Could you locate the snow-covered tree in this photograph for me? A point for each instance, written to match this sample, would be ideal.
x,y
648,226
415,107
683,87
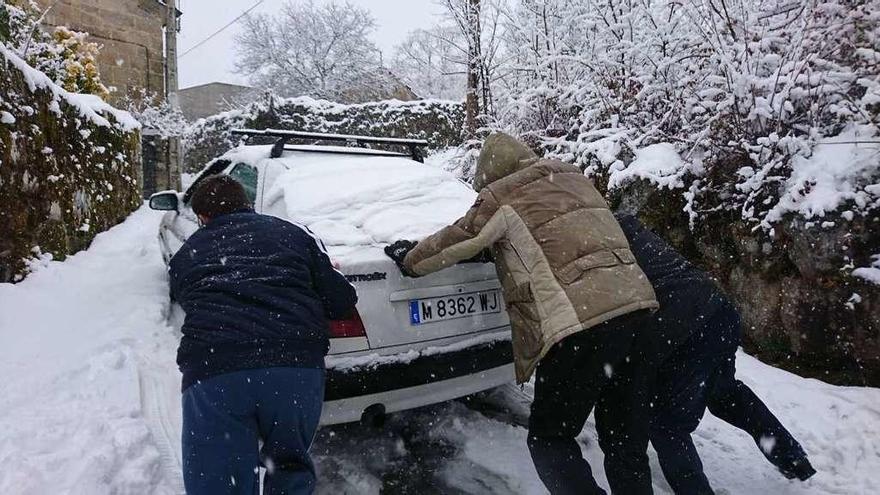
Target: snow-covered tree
x,y
478,40
745,88
314,49
432,63
784,79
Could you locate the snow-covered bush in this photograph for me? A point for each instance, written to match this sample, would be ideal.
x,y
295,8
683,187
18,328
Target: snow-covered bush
x,y
156,113
71,62
747,94
437,121
63,54
754,111
69,166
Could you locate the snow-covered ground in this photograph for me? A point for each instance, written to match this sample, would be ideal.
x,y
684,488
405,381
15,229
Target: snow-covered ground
x,y
89,404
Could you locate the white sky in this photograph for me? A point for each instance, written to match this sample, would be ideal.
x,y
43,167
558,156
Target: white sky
x,y
214,60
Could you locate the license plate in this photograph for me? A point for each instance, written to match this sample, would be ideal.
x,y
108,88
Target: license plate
x,y
433,309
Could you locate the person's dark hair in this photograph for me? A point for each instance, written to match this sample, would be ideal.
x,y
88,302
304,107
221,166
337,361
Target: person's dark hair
x,y
218,195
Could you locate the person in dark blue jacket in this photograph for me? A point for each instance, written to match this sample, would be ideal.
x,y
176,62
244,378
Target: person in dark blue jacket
x,y
258,293
684,365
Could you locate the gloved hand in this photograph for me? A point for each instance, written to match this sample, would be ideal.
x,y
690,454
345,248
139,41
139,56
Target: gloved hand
x,y
398,251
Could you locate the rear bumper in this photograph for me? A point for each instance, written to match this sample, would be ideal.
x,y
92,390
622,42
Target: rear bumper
x,y
422,381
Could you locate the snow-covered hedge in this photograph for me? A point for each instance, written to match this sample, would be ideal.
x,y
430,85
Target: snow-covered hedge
x,y
69,166
438,121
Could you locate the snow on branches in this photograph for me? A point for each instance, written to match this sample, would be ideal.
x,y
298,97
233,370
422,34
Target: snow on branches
x,y
319,50
64,55
433,62
90,108
156,113
773,106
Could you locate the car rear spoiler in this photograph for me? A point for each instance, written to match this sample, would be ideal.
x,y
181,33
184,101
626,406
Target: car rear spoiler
x,y
356,142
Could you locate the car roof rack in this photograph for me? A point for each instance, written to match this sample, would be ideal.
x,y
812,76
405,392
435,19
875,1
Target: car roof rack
x,y
346,151
413,145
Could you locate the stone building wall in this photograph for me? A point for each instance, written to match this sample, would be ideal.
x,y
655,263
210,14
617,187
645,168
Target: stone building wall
x,y
131,61
131,35
205,100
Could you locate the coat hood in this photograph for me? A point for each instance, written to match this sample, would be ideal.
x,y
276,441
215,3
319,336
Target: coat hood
x,y
502,155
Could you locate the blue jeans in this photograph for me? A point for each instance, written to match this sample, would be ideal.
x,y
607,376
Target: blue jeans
x,y
227,416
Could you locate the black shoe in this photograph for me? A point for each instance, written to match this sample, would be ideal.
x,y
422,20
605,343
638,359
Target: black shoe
x,y
800,469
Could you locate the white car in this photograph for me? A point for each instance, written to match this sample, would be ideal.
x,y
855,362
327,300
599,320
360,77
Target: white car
x,y
414,341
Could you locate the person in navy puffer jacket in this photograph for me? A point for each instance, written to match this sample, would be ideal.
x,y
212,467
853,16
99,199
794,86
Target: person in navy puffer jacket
x,y
683,366
258,293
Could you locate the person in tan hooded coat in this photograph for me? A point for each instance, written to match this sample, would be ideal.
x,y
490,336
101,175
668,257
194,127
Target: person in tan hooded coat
x,y
572,287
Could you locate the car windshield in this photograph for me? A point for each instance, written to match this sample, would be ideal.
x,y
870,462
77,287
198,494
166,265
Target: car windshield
x,y
218,166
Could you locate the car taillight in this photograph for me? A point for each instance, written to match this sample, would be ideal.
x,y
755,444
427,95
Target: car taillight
x,y
352,327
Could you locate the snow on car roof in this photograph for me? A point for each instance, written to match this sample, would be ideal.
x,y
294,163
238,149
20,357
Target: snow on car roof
x,y
354,201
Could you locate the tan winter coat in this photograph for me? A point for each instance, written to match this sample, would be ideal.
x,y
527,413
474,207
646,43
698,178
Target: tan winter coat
x,y
562,259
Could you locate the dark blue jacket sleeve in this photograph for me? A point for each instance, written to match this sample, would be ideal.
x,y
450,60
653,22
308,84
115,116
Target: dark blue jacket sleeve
x,y
337,294
173,290
177,268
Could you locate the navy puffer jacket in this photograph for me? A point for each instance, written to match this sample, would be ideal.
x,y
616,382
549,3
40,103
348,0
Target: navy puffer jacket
x,y
258,293
688,296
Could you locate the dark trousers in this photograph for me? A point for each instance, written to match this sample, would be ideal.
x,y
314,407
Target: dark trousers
x,y
735,403
698,375
568,384
226,416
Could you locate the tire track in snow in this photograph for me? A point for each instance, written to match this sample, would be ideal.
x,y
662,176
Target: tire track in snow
x,y
160,402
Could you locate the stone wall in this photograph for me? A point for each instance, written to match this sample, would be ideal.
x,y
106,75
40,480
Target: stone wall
x,y
801,309
131,38
69,167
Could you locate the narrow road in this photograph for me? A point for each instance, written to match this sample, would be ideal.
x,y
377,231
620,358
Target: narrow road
x,y
91,404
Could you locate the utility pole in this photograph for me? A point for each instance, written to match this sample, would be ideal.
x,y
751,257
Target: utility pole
x,y
171,89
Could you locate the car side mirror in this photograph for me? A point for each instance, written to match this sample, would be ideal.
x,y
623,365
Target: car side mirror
x,y
164,201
